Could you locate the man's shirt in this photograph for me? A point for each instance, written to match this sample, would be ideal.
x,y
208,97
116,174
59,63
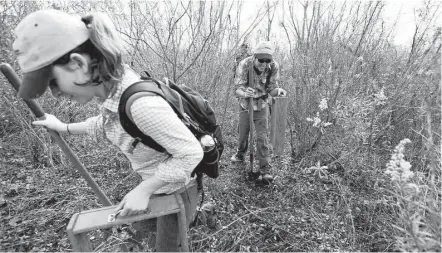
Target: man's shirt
x,y
238,58
263,83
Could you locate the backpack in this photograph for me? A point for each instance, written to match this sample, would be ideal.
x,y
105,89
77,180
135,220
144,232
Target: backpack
x,y
193,110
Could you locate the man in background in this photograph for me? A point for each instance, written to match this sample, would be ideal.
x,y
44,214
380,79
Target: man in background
x,y
264,74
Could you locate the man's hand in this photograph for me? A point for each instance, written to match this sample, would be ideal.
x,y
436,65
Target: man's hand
x,y
282,92
249,92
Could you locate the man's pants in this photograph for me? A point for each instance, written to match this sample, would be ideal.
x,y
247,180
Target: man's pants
x,y
260,120
167,232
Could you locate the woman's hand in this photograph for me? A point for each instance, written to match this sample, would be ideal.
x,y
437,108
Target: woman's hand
x,y
135,202
51,122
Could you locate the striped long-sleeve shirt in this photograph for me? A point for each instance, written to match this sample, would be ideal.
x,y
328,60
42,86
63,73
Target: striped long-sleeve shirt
x,y
154,116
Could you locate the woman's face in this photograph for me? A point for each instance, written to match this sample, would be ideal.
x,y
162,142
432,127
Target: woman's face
x,y
66,80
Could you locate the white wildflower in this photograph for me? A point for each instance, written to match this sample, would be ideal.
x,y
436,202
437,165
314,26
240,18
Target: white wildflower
x,y
309,119
316,122
326,124
406,175
405,165
323,104
380,97
317,170
330,70
398,168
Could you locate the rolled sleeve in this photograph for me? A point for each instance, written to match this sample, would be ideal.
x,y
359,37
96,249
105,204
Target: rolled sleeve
x,y
155,118
94,127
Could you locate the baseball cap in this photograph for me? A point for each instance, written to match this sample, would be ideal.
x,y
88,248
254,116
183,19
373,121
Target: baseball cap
x,y
43,37
264,50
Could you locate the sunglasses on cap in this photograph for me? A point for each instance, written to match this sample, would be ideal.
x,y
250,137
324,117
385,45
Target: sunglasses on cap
x,y
264,60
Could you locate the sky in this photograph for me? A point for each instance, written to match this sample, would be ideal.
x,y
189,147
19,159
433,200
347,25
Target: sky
x,y
393,9
404,33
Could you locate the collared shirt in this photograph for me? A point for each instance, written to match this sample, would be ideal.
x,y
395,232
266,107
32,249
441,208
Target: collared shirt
x,y
154,116
263,83
241,56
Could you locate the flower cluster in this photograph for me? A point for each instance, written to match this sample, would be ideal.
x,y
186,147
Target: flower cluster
x,y
317,122
380,97
398,168
323,104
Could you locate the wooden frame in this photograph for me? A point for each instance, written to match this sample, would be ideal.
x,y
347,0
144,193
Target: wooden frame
x,y
86,221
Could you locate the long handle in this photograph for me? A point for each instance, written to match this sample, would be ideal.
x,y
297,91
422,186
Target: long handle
x,y
251,142
251,146
15,81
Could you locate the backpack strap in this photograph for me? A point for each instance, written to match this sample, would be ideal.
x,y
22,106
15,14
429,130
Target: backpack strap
x,y
132,128
145,90
135,91
141,89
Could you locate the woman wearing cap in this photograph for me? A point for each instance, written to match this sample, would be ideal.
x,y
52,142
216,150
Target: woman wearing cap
x,y
264,81
81,58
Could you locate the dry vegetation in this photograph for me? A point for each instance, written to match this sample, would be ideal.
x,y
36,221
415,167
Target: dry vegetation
x,y
332,192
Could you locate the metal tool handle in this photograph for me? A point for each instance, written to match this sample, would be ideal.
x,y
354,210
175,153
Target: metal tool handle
x,y
251,141
251,131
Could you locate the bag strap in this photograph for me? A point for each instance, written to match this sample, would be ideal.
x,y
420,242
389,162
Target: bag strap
x,y
131,94
166,92
128,97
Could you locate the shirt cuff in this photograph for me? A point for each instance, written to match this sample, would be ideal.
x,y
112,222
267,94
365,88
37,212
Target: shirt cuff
x,y
94,127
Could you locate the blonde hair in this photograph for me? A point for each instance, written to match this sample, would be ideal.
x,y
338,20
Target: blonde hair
x,y
105,46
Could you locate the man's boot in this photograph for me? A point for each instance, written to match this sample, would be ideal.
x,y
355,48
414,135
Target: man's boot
x,y
237,158
266,176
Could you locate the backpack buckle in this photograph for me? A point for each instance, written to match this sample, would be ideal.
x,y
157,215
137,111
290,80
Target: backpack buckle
x,y
134,144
